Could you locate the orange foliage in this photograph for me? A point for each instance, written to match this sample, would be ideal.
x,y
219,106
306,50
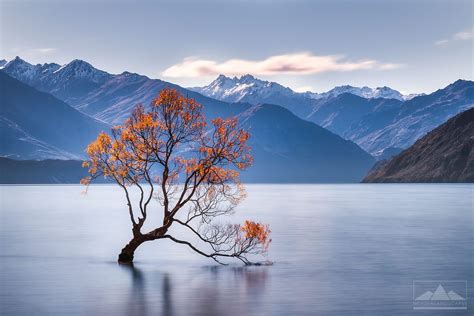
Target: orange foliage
x,y
257,231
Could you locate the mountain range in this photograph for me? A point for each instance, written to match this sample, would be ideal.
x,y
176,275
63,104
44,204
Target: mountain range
x,y
378,120
305,136
108,97
446,154
285,147
247,88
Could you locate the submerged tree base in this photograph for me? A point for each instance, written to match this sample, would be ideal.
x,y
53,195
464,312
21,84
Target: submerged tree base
x,y
127,254
125,258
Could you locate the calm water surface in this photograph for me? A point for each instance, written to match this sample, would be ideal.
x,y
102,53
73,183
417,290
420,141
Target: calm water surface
x,y
338,250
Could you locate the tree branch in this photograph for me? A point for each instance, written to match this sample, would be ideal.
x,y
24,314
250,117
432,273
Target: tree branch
x,y
212,255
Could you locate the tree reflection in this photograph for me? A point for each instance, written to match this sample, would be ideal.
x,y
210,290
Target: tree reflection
x,y
214,291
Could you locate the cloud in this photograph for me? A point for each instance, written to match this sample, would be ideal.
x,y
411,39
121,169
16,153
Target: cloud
x,y
34,51
441,42
42,51
464,36
303,63
389,66
460,36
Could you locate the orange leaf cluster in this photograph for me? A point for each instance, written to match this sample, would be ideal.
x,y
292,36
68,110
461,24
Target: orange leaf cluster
x,y
177,113
257,231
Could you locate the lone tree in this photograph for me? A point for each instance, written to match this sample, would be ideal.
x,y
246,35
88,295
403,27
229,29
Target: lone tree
x,y
169,154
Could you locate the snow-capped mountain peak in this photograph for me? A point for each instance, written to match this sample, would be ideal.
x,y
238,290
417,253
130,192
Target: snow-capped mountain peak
x,y
131,75
365,92
246,88
250,89
77,68
81,69
64,81
248,78
77,65
21,69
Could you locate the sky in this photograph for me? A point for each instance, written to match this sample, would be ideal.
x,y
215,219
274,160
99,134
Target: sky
x,y
412,46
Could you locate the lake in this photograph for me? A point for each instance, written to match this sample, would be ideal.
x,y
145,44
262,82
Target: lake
x,y
347,249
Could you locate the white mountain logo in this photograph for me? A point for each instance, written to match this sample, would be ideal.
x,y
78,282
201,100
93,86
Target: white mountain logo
x,y
440,295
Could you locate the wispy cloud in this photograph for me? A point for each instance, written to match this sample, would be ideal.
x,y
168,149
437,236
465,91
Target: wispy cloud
x,y
303,63
42,51
460,36
34,51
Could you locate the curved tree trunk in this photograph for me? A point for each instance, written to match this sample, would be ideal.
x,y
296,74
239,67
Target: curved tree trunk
x,y
126,256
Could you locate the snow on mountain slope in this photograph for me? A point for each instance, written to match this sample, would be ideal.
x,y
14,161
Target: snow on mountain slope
x,y
79,69
67,82
339,113
445,154
250,89
105,96
365,92
377,124
114,100
22,70
413,119
244,89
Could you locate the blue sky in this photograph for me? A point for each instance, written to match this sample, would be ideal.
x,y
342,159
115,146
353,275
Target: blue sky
x,y
413,46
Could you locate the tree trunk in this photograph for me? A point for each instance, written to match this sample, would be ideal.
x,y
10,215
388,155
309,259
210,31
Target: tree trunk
x,y
126,256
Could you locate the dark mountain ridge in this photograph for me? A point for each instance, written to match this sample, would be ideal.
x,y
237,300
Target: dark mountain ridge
x,y
446,154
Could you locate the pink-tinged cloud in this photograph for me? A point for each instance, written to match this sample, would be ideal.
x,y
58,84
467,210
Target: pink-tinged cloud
x,y
300,63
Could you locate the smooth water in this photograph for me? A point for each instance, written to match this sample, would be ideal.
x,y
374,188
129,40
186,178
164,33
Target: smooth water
x,y
337,250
